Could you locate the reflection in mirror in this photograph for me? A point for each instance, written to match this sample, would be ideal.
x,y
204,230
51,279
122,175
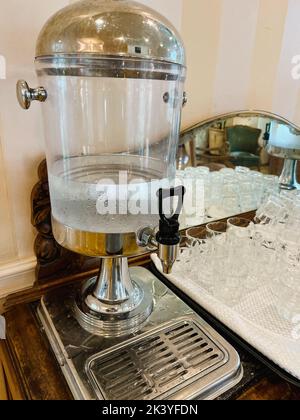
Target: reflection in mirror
x,y
245,153
214,195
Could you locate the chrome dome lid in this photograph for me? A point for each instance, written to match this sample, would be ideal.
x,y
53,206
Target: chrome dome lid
x,y
117,28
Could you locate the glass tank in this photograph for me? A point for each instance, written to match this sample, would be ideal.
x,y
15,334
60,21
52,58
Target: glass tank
x,y
114,85
111,128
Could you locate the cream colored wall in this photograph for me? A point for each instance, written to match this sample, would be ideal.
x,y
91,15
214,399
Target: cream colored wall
x,y
21,139
239,56
201,32
21,133
7,242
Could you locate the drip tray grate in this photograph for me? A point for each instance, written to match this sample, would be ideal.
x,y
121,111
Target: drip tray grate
x,y
156,366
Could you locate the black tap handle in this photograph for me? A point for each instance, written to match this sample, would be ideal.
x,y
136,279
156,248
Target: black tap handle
x,y
172,192
169,227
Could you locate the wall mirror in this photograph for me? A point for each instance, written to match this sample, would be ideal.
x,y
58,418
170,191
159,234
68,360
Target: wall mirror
x,y
242,157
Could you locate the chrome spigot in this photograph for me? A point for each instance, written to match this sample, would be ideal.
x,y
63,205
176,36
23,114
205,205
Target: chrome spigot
x,y
168,255
168,236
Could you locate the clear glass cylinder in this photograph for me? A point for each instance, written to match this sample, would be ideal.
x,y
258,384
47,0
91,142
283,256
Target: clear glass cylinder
x,y
111,128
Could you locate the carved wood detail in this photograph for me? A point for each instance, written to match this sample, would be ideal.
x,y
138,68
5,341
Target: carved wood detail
x,y
52,259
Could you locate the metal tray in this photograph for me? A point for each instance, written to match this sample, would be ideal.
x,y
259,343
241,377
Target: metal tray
x,y
175,356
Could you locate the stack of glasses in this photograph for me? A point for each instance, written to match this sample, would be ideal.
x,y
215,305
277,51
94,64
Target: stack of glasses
x,y
228,191
231,260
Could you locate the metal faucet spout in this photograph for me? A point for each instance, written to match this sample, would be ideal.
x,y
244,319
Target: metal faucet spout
x,y
168,255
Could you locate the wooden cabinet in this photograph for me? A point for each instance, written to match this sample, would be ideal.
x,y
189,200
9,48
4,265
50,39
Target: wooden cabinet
x,y
3,386
29,371
10,387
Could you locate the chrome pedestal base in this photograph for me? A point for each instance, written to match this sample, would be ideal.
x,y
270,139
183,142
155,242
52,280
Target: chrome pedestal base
x,y
288,177
114,304
175,355
113,320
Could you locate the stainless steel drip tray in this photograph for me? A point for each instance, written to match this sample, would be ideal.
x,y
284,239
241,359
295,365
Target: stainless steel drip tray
x,y
176,355
156,366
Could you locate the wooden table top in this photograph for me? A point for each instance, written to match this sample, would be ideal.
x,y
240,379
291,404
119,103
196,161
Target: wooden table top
x,y
34,373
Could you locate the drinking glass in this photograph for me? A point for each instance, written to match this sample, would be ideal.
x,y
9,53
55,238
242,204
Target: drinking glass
x,y
248,202
239,230
242,170
231,205
238,223
227,171
245,183
271,185
216,231
229,291
197,234
216,228
272,211
258,188
202,171
206,277
286,287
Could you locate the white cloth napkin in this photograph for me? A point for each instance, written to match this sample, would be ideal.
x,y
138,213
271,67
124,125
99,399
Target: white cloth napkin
x,y
2,328
255,319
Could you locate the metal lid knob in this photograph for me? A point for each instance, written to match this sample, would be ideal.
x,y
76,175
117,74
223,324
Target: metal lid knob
x,y
26,95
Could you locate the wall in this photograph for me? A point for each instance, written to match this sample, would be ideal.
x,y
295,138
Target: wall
x,y
21,133
240,56
21,137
